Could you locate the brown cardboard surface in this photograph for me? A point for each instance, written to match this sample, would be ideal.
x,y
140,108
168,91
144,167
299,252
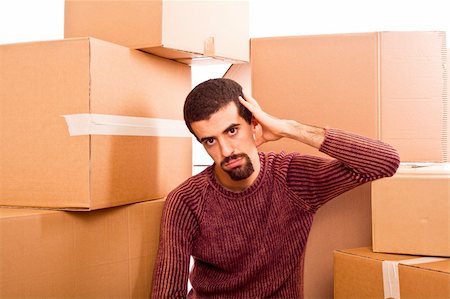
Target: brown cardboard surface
x,y
386,85
446,135
240,73
318,80
172,29
42,166
336,81
357,280
94,18
107,253
412,94
358,274
411,211
425,280
344,220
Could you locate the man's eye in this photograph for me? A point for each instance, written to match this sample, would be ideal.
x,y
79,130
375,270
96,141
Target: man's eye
x,y
209,141
232,131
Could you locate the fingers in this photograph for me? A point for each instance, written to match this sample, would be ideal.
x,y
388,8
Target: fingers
x,y
246,104
250,99
250,103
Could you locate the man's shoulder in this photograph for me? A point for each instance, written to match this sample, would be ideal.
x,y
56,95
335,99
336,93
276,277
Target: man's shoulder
x,y
281,164
278,159
192,188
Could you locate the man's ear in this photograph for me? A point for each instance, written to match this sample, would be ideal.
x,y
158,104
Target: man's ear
x,y
254,122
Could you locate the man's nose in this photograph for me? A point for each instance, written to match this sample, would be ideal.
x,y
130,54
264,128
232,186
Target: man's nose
x,y
226,148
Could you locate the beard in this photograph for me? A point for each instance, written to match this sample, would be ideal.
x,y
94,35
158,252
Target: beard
x,y
239,173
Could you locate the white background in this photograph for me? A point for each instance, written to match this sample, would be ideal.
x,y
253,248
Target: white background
x,y
31,20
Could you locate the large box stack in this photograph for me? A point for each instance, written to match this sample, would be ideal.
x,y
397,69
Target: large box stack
x,y
384,85
48,164
409,257
93,139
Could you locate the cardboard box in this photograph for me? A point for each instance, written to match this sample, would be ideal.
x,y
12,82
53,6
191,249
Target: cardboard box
x,y
385,85
360,273
241,73
411,211
42,165
108,253
172,29
446,136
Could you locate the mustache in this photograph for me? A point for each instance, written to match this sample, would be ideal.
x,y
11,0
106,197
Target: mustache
x,y
232,157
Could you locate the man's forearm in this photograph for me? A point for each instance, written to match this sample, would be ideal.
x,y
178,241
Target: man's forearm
x,y
311,135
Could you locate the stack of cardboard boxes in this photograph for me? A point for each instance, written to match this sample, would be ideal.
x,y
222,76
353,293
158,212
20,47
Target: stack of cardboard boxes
x,y
409,256
93,139
410,250
385,85
108,252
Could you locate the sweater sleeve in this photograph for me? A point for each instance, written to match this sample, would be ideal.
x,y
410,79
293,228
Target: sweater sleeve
x,y
355,160
178,226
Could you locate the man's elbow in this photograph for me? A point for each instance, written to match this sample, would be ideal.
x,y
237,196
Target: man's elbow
x,y
393,161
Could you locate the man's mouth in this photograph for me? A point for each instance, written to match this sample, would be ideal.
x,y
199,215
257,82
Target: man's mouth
x,y
238,166
233,161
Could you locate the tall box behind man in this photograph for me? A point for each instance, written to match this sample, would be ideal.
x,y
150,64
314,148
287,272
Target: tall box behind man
x,y
386,86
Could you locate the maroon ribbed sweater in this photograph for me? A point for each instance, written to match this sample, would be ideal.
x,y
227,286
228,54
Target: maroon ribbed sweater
x,y
251,244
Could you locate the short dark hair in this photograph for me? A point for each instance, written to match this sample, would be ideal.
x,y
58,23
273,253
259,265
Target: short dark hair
x,y
209,97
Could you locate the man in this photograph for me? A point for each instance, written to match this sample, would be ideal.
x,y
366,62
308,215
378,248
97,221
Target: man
x,y
245,219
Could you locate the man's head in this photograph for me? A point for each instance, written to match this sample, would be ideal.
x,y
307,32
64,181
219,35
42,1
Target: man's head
x,y
226,129
209,97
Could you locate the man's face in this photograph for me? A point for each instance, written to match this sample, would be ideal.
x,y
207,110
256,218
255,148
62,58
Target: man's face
x,y
228,139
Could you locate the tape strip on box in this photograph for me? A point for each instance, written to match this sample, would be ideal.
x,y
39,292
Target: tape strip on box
x,y
391,281
104,124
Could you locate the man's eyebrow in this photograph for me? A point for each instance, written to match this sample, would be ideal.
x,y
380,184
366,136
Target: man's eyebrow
x,y
230,127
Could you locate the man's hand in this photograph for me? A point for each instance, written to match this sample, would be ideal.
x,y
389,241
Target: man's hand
x,y
270,128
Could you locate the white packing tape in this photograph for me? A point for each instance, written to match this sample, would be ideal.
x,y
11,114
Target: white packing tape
x,y
391,281
104,124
